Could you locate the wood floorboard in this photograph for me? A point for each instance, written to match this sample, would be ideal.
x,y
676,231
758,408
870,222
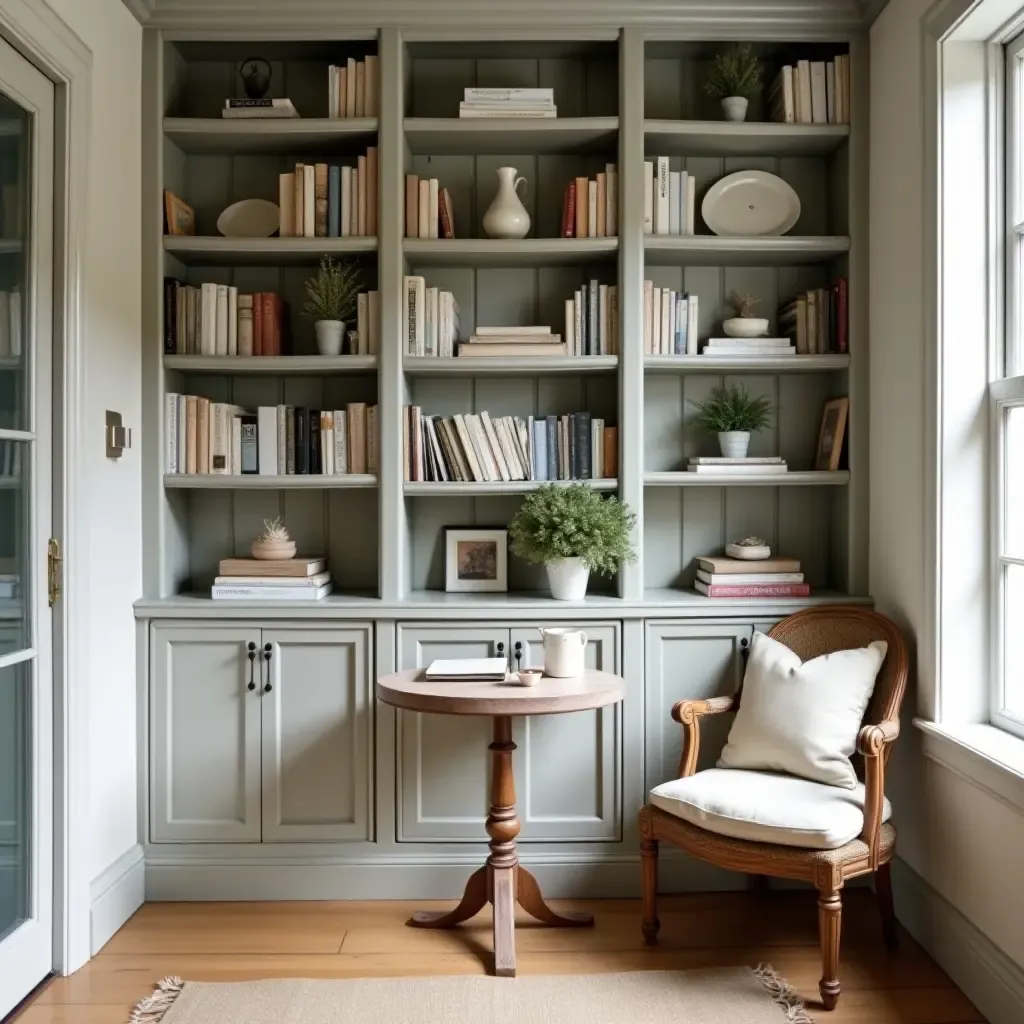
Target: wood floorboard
x,y
249,941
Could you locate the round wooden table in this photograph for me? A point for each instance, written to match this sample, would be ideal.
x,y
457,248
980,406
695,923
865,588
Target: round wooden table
x,y
502,881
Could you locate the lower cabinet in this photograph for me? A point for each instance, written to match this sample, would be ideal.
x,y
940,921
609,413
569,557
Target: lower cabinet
x,y
568,768
260,734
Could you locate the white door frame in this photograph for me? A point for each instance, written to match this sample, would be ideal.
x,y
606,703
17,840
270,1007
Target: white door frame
x,y
42,37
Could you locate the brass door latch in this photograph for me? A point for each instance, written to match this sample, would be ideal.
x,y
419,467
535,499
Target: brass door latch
x,y
54,566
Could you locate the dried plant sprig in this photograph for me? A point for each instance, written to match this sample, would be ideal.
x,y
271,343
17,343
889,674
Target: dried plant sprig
x,y
274,530
743,304
333,290
736,72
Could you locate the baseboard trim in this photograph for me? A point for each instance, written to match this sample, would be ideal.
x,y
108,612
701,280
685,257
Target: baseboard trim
x,y
115,895
987,976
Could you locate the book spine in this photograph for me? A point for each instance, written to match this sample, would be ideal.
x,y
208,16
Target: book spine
x,y
447,223
320,190
361,210
592,207
345,205
423,209
299,201
648,197
290,421
232,320
371,188
372,441
281,437
412,199
316,426
537,95
584,456
611,453
309,200
433,218
756,590
334,201
569,210
553,459
170,315
593,319
301,442
171,432
350,91
661,198
582,192
266,426
611,216
842,315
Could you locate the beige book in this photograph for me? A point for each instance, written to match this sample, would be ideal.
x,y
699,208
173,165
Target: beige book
x,y
263,567
497,454
361,209
648,324
191,433
372,440
360,89
611,200
342,91
423,227
203,436
602,201
286,201
320,194
356,414
299,209
309,200
371,90
582,207
373,323
432,212
731,566
353,213
371,189
468,449
345,227
592,209
350,92
412,206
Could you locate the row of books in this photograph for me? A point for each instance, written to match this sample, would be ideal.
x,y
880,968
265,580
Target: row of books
x,y
749,465
669,199
428,209
256,579
590,209
330,200
670,322
499,102
10,323
204,437
592,320
812,92
218,320
475,447
718,576
817,320
430,319
353,88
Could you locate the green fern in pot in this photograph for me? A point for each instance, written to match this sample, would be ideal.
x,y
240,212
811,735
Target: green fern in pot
x,y
732,413
331,296
735,79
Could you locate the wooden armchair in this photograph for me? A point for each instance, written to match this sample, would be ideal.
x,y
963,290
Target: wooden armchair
x,y
809,634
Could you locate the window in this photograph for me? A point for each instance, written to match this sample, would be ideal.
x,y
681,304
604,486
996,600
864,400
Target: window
x,y
1006,400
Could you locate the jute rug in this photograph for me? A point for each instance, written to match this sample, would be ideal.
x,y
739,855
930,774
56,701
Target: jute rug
x,y
735,995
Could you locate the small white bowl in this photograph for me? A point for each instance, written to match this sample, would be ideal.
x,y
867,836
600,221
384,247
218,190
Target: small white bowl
x,y
530,676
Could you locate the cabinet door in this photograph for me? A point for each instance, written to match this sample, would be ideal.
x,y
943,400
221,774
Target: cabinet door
x,y
688,661
444,771
205,731
568,767
316,734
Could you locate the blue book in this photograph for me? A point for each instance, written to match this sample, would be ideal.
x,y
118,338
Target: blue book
x,y
682,307
540,450
334,201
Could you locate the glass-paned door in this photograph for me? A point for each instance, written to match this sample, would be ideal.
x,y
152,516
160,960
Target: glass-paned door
x,y
26,683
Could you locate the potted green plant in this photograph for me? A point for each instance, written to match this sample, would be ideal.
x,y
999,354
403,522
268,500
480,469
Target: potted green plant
x,y
735,79
744,324
331,300
572,530
731,413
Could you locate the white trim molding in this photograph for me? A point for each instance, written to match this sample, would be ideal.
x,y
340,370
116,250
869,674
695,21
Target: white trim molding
x,y
115,895
142,9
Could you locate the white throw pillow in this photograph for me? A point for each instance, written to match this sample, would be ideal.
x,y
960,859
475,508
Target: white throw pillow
x,y
802,718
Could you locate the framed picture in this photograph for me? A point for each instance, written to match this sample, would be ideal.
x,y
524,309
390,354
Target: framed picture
x,y
179,217
476,561
830,437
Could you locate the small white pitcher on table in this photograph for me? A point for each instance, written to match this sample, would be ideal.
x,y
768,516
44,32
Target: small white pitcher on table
x,y
563,651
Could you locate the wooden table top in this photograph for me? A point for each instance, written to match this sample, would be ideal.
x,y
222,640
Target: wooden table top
x,y
411,690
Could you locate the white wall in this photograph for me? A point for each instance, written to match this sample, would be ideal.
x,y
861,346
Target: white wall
x,y
955,835
112,356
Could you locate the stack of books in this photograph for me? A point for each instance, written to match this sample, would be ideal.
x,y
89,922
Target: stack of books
x,y
258,579
670,322
353,88
329,200
592,320
218,320
721,466
259,108
816,321
479,448
430,319
669,199
590,209
480,102
747,348
204,437
812,92
428,209
718,576
502,342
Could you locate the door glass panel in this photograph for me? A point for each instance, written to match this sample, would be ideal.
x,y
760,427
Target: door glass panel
x,y
15,509
1013,474
15,764
15,408
1013,652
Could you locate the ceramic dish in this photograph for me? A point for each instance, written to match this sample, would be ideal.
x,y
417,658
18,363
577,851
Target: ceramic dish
x,y
750,204
250,218
530,676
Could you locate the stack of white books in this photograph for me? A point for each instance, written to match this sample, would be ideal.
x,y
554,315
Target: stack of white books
x,y
749,347
257,579
479,102
717,466
527,340
279,107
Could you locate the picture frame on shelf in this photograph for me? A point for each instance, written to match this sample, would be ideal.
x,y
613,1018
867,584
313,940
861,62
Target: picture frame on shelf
x,y
476,560
179,217
831,434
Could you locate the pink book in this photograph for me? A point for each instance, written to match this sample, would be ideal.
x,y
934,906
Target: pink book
x,y
754,589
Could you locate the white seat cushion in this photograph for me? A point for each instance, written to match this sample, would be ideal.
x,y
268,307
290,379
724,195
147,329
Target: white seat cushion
x,y
763,807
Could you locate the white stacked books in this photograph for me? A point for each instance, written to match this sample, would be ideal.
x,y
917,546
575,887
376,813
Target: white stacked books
x,y
756,347
259,108
253,579
717,466
480,102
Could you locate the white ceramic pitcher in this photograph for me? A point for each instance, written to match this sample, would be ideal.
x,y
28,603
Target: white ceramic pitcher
x,y
563,651
506,217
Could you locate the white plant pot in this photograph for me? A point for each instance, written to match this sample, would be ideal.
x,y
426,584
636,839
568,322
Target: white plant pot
x,y
745,327
506,217
734,108
567,578
329,336
734,443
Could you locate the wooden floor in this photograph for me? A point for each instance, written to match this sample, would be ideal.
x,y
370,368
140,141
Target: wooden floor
x,y
239,941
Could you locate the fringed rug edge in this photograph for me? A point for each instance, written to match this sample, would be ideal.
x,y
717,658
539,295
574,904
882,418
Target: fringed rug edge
x,y
784,995
152,1008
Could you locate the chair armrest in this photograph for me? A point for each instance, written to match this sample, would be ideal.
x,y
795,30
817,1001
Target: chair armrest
x,y
688,714
872,739
873,742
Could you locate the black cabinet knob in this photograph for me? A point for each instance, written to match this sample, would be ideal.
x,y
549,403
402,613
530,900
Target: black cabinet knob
x,y
268,651
252,663
519,654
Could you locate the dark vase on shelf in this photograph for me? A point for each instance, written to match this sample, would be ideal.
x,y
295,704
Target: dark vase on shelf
x,y
255,73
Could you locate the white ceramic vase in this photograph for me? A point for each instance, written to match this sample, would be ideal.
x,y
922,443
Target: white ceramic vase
x,y
567,578
506,217
734,108
329,336
734,443
273,550
745,327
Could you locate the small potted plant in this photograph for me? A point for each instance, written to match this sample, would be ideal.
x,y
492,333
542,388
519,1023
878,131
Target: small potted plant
x,y
732,414
744,324
273,543
571,530
331,300
735,79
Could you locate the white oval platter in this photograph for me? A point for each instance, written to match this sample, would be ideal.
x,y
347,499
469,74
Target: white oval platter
x,y
750,203
250,218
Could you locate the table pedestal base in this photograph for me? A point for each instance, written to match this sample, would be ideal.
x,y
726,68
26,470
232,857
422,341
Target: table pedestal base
x,y
502,882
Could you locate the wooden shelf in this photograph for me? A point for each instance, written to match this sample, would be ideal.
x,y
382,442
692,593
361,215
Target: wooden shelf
x,y
746,138
807,478
284,366
267,135
500,252
444,136
715,251
206,250
423,489
490,366
732,364
252,482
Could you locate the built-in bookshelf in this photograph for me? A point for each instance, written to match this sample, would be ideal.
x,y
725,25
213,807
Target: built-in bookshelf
x,y
620,101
